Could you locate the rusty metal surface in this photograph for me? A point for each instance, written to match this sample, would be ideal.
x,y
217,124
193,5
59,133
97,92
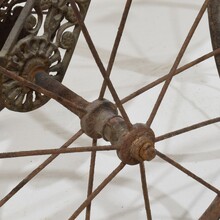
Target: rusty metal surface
x,y
76,103
8,17
34,57
24,49
98,113
214,24
20,16
100,119
137,145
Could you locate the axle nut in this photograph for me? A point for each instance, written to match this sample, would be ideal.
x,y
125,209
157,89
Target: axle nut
x,y
136,145
142,149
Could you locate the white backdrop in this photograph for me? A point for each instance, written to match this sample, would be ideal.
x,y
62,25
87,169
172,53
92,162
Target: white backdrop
x,y
153,36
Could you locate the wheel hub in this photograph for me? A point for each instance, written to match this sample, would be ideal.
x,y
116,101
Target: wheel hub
x,y
100,119
137,145
134,145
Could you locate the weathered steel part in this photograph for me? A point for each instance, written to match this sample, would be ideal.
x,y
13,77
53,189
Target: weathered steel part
x,y
47,82
100,119
31,53
25,49
213,211
214,24
137,145
114,129
98,114
11,14
134,145
8,17
16,28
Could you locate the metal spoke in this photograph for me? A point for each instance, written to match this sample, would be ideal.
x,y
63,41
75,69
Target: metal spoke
x,y
55,151
100,64
38,170
186,171
176,63
165,77
91,179
116,45
39,89
97,191
187,129
145,191
119,103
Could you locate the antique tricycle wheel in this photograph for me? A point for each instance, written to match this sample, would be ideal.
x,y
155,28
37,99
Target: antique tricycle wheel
x,y
37,45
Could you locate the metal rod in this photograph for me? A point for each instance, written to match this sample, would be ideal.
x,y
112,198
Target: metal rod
x,y
55,151
187,129
76,31
176,63
69,104
189,173
145,191
97,191
78,105
165,77
34,173
100,64
116,45
91,180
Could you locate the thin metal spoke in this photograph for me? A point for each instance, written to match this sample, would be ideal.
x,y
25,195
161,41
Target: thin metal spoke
x,y
176,63
145,191
39,89
116,45
165,77
187,129
38,170
97,191
55,151
186,171
100,64
91,179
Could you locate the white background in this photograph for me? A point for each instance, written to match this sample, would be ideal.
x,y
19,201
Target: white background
x,y
153,36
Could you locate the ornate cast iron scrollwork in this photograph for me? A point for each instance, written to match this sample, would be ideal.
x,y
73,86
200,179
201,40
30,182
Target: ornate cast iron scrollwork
x,y
29,54
9,12
50,27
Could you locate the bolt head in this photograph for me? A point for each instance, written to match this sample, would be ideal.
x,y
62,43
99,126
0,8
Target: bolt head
x,y
147,152
142,149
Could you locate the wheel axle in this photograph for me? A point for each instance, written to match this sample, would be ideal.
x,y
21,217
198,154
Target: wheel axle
x,y
100,119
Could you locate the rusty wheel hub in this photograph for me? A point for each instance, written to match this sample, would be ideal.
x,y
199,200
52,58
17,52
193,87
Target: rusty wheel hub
x,y
100,119
134,145
137,145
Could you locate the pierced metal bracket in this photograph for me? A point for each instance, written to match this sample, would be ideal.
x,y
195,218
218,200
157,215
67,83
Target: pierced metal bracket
x,y
35,33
